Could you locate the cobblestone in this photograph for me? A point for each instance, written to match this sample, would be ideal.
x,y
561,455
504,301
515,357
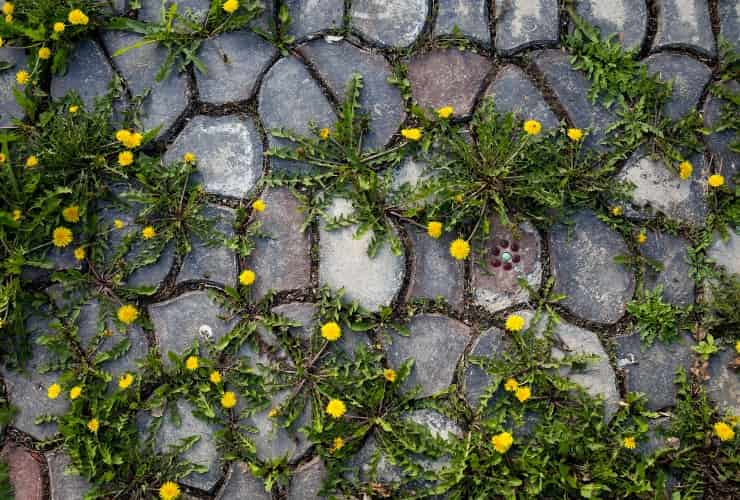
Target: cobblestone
x,y
469,16
9,108
684,24
627,19
689,78
524,23
512,91
394,23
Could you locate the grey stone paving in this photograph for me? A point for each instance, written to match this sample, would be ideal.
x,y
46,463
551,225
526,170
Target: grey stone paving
x,y
725,160
513,91
627,19
689,78
88,74
314,16
9,108
240,483
684,24
471,18
524,23
64,486
215,262
671,252
389,22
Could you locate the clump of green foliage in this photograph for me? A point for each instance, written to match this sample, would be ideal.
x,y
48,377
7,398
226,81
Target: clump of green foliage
x,y
657,319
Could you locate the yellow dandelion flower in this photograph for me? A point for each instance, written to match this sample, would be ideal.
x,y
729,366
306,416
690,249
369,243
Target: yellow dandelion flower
x,y
458,198
641,238
716,180
247,277
71,214
123,135
460,249
532,127
336,445
390,375
511,385
125,158
336,408
32,161
9,18
74,109
77,17
61,237
80,254
118,224
723,431
434,229
127,314
8,8
324,133
75,392
228,400
685,169
59,27
2,42
445,112
331,331
616,211
192,363
412,134
514,323
629,442
215,377
737,347
169,491
93,425
189,157
133,140
44,53
53,391
575,134
17,214
523,394
2,158
230,6
125,381
502,442
259,205
274,412
148,232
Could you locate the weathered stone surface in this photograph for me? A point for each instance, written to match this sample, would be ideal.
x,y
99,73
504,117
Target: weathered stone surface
x,y
151,10
344,263
214,263
290,98
229,152
656,438
88,74
240,483
337,62
523,23
689,78
167,99
389,22
684,24
725,161
371,464
436,343
62,485
58,258
307,480
582,263
234,62
434,273
571,88
652,370
448,77
496,286
726,253
659,189
491,344
513,92
439,426
723,386
25,472
312,16
672,253
729,20
9,108
182,320
470,17
282,261
411,172
625,18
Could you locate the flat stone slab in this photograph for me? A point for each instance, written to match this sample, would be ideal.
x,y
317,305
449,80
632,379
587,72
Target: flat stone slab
x,y
282,261
440,427
307,480
723,386
491,344
343,263
290,98
523,23
582,263
9,108
659,189
182,320
627,19
167,99
729,21
88,73
434,273
513,92
511,256
448,77
726,161
571,88
213,263
229,153
436,343
309,17
234,62
726,252
371,464
684,24
64,486
389,22
240,483
689,78
26,476
337,62
469,16
411,171
652,370
674,277
151,10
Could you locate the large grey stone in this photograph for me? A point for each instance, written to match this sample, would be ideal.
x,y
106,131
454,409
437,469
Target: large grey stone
x,y
407,176
689,78
672,253
434,273
241,484
490,345
659,189
684,24
440,427
343,263
582,263
25,475
229,152
513,92
63,485
312,16
167,99
281,261
496,281
337,62
151,10
725,161
729,21
652,370
290,98
723,386
214,263
307,480
571,88
234,62
524,23
371,464
182,320
469,16
726,252
448,77
88,73
389,22
625,18
9,108
435,344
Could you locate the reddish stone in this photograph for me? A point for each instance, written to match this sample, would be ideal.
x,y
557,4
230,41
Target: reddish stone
x,y
25,472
